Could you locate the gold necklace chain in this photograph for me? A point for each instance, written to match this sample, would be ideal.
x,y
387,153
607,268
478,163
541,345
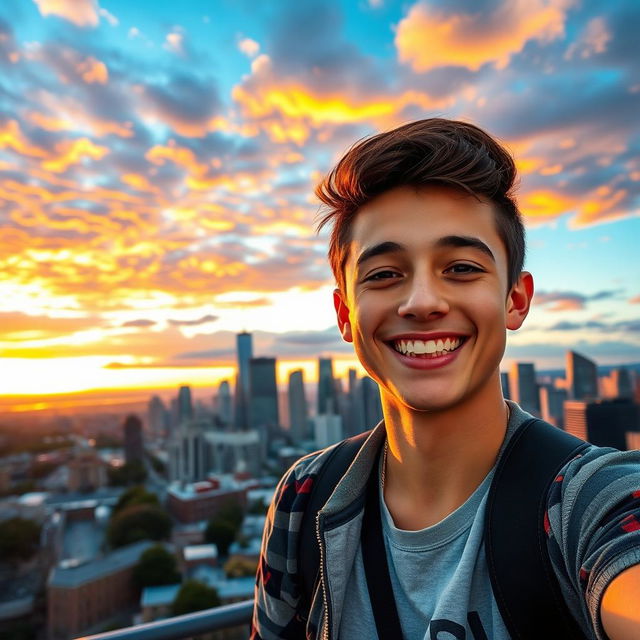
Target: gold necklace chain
x,y
386,449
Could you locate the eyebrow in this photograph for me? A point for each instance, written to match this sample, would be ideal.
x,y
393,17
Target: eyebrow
x,y
384,248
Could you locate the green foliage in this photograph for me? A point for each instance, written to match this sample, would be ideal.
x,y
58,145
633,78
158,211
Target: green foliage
x,y
127,474
156,566
258,508
194,596
157,464
221,533
138,522
240,567
232,512
19,539
135,495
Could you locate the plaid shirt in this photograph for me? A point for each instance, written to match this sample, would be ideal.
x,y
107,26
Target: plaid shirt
x,y
592,522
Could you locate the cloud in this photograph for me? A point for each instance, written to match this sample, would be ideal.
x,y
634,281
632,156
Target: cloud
x,y
174,42
571,300
594,40
634,300
249,47
193,323
82,13
141,323
624,326
428,38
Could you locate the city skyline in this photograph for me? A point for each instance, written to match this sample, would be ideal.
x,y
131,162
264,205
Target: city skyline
x,y
157,171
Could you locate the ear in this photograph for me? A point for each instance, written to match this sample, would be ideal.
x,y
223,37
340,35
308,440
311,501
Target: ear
x,y
519,301
342,314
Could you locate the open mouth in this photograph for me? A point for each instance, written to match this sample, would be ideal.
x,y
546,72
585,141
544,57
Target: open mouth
x,y
427,348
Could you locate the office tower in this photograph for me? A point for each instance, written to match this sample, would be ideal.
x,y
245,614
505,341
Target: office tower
x,y
354,421
133,445
157,418
224,403
618,384
185,404
552,404
327,401
371,402
189,458
244,346
327,429
504,382
298,412
605,423
523,387
582,377
264,392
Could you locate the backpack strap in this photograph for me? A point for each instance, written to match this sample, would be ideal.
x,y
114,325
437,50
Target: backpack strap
x,y
332,470
525,587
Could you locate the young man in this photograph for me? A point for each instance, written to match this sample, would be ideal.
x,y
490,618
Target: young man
x,y
427,248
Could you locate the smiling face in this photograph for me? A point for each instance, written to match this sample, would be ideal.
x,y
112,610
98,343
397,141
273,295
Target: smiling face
x,y
426,302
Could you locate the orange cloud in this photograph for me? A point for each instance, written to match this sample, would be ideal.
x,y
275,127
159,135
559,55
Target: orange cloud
x,y
93,71
11,137
73,152
83,13
180,156
428,38
544,203
249,47
593,40
634,300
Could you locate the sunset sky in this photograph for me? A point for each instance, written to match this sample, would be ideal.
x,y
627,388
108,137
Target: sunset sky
x,y
158,159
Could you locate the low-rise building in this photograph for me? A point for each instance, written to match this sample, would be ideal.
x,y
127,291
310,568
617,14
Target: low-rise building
x,y
203,500
156,602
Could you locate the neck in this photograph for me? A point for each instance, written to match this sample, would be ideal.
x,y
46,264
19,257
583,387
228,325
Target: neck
x,y
437,459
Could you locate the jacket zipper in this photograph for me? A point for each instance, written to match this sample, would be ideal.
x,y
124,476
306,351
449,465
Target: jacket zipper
x,y
323,581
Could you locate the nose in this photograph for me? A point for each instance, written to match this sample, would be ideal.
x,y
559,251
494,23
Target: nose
x,y
424,300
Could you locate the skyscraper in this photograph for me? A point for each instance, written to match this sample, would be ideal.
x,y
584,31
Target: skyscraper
x,y
298,413
224,404
157,418
244,346
264,392
523,387
603,422
371,400
504,382
327,401
133,444
582,377
185,404
552,404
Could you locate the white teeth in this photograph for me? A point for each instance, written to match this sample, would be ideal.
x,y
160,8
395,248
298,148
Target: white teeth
x,y
427,347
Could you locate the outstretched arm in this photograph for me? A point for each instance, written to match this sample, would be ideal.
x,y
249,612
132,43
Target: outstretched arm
x,y
620,608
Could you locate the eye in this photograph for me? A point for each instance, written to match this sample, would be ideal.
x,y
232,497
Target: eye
x,y
380,276
463,269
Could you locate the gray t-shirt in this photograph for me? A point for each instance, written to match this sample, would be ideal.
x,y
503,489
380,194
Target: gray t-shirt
x,y
439,575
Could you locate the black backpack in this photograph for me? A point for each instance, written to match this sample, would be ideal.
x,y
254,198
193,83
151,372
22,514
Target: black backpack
x,y
524,585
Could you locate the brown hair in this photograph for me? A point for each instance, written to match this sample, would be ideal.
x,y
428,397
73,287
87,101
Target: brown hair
x,y
425,152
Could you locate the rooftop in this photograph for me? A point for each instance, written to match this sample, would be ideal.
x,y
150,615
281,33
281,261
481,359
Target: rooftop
x,y
200,552
159,596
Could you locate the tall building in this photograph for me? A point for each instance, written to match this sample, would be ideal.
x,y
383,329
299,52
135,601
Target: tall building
x,y
327,429
523,387
371,402
582,377
133,443
298,412
244,347
354,421
605,423
185,404
264,392
157,418
327,401
189,457
552,404
224,403
618,384
504,382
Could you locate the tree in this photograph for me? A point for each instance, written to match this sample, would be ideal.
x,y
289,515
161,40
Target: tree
x,y
240,567
138,522
232,512
135,495
130,473
222,533
194,596
156,566
19,539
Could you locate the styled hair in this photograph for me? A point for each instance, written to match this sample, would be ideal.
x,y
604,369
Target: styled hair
x,y
435,151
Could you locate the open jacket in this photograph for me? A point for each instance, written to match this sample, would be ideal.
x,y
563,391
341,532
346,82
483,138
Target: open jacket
x,y
592,521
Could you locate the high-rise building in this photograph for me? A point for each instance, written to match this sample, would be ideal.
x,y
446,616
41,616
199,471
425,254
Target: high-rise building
x,y
244,346
552,404
298,412
618,384
158,418
604,423
185,404
133,443
264,392
523,387
582,377
327,401
504,382
189,458
224,403
327,429
354,421
371,402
